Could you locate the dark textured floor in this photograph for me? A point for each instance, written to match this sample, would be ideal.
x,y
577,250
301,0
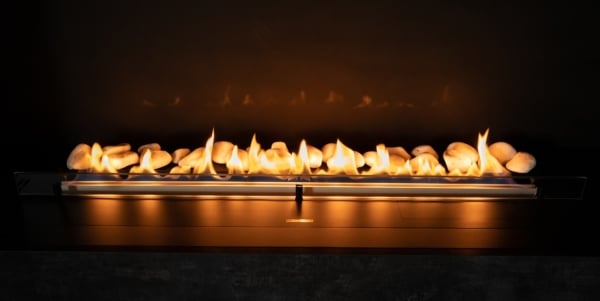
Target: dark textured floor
x,y
64,275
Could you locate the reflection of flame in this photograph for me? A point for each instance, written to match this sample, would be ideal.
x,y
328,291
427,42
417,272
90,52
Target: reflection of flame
x,y
334,97
365,102
332,159
175,102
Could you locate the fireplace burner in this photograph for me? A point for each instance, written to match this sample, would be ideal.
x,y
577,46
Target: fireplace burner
x,y
220,194
306,187
387,212
335,170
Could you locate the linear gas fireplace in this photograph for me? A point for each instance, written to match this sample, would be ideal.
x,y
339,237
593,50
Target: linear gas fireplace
x,y
323,125
333,170
221,194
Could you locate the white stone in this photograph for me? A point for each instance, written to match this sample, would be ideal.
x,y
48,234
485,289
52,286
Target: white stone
x,y
281,148
221,151
398,151
180,170
193,158
328,151
370,158
315,156
160,158
424,149
502,151
123,159
359,160
150,146
179,154
80,157
397,161
522,162
460,156
115,149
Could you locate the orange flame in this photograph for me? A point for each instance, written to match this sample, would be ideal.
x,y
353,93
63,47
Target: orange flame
x,y
204,165
145,164
488,164
332,159
100,162
234,164
343,161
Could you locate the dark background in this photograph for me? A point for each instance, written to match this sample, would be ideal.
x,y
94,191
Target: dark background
x,y
437,72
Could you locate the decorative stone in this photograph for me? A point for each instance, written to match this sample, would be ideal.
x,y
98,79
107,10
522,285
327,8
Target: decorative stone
x,y
315,156
424,149
522,162
399,151
460,156
150,146
123,159
502,151
179,154
359,160
80,157
221,151
180,170
281,148
193,158
370,158
115,149
328,151
397,161
160,158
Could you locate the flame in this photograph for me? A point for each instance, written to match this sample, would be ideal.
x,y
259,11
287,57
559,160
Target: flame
x,y
300,163
205,165
343,160
304,158
254,158
145,164
488,164
382,162
100,162
426,165
234,164
331,159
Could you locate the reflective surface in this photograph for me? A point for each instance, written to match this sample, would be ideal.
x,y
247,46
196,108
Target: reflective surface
x,y
77,221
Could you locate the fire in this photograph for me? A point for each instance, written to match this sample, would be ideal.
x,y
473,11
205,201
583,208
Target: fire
x,y
145,164
223,157
343,160
99,161
487,162
204,162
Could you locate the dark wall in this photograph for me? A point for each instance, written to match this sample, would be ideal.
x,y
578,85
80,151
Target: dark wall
x,y
436,72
